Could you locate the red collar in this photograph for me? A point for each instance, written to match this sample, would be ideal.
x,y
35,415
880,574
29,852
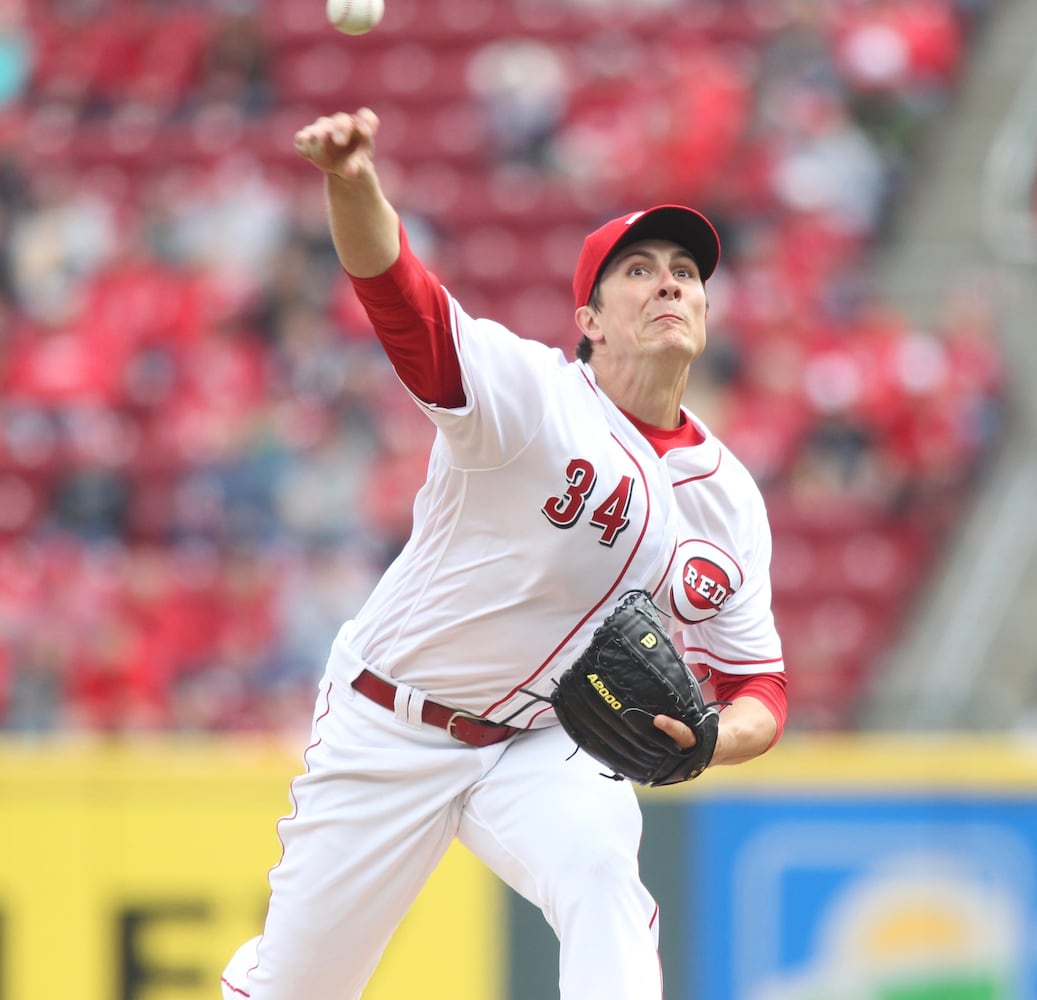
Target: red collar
x,y
684,435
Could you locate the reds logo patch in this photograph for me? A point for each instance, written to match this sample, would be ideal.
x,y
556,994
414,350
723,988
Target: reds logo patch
x,y
708,577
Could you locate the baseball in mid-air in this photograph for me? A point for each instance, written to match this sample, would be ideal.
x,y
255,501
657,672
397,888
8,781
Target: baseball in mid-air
x,y
355,17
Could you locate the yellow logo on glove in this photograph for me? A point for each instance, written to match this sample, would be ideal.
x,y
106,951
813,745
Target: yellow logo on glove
x,y
607,696
649,640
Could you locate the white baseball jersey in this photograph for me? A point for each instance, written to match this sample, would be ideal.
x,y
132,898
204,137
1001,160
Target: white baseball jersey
x,y
721,592
475,621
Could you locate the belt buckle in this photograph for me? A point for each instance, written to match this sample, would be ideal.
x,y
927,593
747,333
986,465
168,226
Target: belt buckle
x,y
462,715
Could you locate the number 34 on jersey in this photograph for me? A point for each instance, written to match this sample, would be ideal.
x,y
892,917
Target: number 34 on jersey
x,y
610,516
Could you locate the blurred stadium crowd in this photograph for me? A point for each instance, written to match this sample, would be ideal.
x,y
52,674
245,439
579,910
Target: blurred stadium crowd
x,y
205,461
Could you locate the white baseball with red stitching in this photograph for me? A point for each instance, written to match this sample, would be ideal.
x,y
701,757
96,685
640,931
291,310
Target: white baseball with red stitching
x,y
355,17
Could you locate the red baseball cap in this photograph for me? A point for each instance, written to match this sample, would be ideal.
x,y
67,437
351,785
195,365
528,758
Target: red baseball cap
x,y
683,226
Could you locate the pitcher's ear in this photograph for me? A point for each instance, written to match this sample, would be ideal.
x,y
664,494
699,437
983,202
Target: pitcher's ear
x,y
587,320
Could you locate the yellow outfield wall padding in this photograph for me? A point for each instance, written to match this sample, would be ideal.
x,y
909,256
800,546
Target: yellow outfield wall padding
x,y
146,864
133,870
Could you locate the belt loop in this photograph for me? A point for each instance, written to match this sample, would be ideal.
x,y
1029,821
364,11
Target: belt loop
x,y
408,703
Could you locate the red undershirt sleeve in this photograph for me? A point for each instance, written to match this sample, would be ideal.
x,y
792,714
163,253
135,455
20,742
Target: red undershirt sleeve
x,y
767,688
410,313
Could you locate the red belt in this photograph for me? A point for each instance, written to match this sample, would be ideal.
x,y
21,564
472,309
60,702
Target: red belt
x,y
462,726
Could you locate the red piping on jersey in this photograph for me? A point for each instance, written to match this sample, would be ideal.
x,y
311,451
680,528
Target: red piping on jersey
x,y
644,527
536,715
734,663
704,475
673,555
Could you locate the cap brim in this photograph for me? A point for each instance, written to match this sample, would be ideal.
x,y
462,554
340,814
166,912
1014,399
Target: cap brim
x,y
680,225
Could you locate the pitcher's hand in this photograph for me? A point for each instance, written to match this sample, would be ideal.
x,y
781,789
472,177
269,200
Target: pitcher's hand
x,y
341,144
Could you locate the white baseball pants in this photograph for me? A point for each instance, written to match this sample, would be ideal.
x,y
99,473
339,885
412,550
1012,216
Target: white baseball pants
x,y
378,806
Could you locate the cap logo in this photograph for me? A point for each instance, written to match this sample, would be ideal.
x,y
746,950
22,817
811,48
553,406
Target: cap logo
x,y
633,218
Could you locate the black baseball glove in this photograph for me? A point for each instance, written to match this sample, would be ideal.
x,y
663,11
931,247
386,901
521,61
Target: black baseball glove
x,y
631,672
